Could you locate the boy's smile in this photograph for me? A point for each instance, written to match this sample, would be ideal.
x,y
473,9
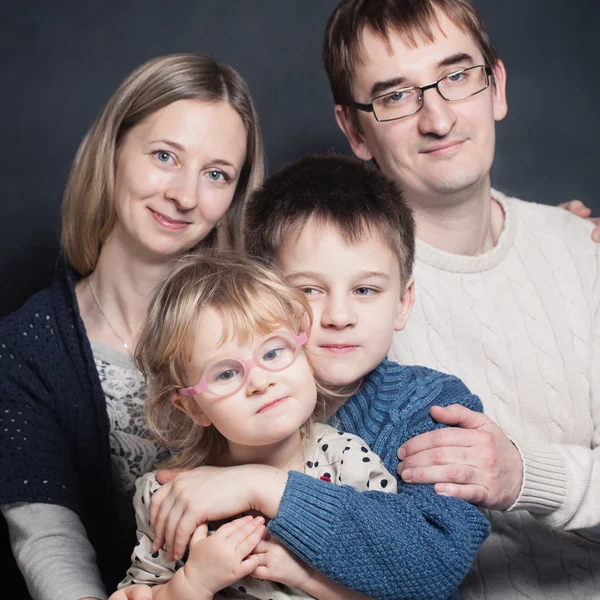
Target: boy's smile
x,y
356,296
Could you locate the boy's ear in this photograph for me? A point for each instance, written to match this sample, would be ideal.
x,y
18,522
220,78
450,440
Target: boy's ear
x,y
405,305
191,409
353,135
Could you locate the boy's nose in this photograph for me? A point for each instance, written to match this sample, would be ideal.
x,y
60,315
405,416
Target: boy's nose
x,y
338,314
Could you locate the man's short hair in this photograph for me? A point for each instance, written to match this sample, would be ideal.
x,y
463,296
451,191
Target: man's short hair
x,y
412,19
332,190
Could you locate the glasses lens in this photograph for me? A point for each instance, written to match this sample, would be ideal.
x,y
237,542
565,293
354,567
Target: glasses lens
x,y
225,377
398,104
463,84
277,352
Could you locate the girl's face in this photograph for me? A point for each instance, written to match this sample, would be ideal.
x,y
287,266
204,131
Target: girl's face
x,y
268,409
176,174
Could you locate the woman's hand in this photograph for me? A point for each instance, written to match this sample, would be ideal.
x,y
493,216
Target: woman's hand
x,y
133,592
189,498
277,563
577,207
217,561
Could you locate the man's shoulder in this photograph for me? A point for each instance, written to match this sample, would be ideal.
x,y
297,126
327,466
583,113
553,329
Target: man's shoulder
x,y
546,221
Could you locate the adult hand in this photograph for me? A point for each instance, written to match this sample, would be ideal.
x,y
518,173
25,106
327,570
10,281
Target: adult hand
x,y
277,563
577,207
133,592
473,461
190,498
217,561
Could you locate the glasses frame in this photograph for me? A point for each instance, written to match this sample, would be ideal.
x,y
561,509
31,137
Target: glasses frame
x,y
202,386
423,88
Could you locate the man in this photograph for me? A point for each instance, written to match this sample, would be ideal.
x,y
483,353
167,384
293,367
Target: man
x,y
507,294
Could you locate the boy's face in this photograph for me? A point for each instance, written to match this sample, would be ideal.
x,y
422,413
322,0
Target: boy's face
x,y
356,296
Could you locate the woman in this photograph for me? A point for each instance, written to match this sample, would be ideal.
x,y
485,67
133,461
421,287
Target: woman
x,y
163,171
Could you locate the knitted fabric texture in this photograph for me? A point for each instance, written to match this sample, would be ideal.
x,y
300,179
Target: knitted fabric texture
x,y
415,544
520,325
54,443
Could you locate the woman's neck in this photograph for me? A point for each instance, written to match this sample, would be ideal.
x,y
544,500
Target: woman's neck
x,y
287,454
113,299
467,226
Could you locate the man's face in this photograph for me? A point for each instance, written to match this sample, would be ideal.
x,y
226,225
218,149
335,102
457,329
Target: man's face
x,y
355,294
446,147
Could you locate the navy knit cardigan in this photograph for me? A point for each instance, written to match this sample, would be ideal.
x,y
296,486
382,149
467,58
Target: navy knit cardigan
x,y
54,448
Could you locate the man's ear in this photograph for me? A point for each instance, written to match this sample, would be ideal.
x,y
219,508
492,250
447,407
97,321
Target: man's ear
x,y
191,409
405,305
499,91
353,135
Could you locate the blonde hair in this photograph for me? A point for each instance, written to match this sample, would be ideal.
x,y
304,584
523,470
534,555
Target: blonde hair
x,y
250,297
88,213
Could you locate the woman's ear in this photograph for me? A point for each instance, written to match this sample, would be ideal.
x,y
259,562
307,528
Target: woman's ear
x,y
191,409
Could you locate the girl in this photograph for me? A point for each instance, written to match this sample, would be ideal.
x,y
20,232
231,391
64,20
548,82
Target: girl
x,y
163,171
232,385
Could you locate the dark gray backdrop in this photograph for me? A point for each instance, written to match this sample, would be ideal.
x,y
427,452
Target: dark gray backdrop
x,y
59,62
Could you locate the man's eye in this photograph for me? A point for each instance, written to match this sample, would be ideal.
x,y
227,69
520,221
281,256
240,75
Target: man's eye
x,y
456,77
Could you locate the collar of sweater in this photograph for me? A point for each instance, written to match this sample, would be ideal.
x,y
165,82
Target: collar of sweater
x,y
458,263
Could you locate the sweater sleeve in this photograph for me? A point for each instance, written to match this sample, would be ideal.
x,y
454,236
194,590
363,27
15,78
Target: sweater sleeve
x,y
413,544
54,555
561,482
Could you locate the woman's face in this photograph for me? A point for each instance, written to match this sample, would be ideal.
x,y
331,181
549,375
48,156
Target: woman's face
x,y
176,173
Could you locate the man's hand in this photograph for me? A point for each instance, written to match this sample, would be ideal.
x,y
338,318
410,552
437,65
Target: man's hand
x,y
132,592
189,498
577,207
277,563
473,461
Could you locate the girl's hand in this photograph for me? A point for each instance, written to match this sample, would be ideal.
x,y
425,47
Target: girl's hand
x,y
133,592
217,561
189,498
277,563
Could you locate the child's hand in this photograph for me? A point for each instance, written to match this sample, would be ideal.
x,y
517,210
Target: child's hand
x,y
216,561
277,563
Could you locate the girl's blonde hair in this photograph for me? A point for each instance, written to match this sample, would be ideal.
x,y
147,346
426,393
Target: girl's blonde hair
x,y
88,211
250,297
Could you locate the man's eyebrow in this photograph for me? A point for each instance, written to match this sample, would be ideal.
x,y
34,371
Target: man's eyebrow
x,y
460,57
380,87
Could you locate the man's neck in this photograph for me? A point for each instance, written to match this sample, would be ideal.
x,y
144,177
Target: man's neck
x,y
468,226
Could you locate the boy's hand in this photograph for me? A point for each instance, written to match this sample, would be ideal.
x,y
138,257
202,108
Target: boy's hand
x,y
190,498
577,207
133,592
277,563
217,561
473,460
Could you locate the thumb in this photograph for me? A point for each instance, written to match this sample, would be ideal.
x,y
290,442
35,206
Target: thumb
x,y
165,476
459,416
200,533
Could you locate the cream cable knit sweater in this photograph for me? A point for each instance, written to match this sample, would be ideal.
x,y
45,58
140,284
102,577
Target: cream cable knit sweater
x,y
521,326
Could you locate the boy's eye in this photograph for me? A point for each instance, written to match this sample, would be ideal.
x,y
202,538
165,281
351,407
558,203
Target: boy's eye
x,y
364,291
309,291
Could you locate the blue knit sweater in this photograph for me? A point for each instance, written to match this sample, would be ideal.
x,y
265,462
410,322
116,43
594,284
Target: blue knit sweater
x,y
415,544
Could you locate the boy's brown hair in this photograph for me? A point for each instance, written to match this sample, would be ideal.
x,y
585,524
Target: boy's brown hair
x,y
336,190
412,19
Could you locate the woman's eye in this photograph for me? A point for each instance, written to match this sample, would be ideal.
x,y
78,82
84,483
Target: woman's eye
x,y
216,175
163,156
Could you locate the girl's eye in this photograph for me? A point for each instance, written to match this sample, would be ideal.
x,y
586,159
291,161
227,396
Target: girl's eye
x,y
226,375
163,156
273,354
216,175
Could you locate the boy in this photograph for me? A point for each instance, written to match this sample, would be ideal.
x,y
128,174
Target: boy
x,y
341,232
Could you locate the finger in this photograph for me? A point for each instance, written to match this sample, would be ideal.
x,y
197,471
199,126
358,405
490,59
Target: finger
x,y
448,436
458,474
246,546
156,502
200,533
167,475
475,494
172,524
596,231
181,533
443,455
226,529
261,572
577,207
246,529
247,566
163,511
459,416
262,546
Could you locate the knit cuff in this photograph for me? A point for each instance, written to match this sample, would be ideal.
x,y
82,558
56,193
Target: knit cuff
x,y
307,512
544,486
